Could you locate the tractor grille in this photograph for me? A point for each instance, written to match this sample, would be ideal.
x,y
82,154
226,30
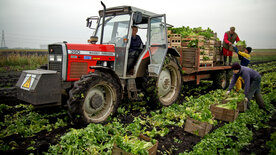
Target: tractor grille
x,y
57,66
54,50
78,69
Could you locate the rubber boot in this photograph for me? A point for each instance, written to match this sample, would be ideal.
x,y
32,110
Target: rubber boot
x,y
225,60
260,101
230,61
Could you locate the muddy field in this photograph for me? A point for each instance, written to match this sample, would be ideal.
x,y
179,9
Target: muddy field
x,y
176,141
44,139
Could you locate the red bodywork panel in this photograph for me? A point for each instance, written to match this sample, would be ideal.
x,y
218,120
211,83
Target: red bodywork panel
x,y
82,56
91,47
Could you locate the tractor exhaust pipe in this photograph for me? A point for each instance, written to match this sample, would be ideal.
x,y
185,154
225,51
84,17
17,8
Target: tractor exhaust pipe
x,y
102,33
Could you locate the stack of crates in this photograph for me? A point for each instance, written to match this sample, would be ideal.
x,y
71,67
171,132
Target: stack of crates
x,y
207,52
218,56
206,46
174,40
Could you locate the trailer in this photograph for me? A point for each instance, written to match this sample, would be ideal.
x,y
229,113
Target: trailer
x,y
193,70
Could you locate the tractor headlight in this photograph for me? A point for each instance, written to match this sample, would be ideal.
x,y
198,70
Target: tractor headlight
x,y
104,63
52,58
59,57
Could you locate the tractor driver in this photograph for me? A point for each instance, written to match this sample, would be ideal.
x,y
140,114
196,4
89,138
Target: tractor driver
x,y
135,48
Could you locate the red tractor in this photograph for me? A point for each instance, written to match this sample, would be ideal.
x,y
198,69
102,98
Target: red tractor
x,y
94,76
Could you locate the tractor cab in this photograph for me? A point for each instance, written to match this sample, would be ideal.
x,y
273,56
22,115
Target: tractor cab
x,y
115,27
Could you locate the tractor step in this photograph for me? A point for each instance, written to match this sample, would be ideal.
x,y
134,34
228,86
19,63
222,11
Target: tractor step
x,y
132,90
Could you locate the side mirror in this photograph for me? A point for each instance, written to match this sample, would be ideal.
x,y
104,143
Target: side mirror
x,y
137,17
89,22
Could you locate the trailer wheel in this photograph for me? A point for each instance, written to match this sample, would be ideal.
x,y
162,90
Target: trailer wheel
x,y
94,97
229,76
221,80
166,88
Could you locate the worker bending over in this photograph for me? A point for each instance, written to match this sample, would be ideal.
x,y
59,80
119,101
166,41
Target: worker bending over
x,y
244,57
252,84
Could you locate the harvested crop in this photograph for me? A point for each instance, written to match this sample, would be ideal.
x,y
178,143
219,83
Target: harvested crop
x,y
241,43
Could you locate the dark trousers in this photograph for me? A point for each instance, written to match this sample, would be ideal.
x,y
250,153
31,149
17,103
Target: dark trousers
x,y
225,60
132,59
255,90
130,63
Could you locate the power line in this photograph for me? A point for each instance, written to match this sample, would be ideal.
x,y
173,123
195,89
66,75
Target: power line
x,y
3,42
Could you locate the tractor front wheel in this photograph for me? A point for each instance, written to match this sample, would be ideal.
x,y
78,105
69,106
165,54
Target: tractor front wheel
x,y
94,97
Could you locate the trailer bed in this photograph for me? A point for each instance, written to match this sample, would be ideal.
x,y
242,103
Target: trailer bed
x,y
195,69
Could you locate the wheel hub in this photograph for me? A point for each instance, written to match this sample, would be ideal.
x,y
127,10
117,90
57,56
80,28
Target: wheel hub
x,y
96,101
164,82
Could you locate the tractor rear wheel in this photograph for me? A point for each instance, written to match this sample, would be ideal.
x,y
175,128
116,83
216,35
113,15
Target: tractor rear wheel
x,y
94,97
166,88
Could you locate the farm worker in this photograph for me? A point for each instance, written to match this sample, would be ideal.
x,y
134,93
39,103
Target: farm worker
x,y
244,57
245,60
229,38
252,80
134,49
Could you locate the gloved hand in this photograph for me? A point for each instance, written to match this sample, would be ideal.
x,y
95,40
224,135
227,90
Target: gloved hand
x,y
233,45
227,93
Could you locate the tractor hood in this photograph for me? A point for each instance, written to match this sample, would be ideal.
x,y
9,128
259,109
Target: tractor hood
x,y
95,49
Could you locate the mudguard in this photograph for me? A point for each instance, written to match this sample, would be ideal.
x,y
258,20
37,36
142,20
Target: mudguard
x,y
173,52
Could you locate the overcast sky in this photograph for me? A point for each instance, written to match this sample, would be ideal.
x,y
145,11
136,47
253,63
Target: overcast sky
x,y
30,23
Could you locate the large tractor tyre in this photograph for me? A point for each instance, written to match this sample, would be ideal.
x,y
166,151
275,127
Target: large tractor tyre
x,y
221,80
94,97
166,88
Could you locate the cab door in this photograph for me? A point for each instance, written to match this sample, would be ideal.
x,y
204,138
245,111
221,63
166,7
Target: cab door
x,y
158,44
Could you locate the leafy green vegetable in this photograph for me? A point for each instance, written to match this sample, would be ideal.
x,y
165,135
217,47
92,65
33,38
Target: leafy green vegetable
x,y
272,143
184,31
241,43
133,144
193,43
226,106
205,58
232,101
193,33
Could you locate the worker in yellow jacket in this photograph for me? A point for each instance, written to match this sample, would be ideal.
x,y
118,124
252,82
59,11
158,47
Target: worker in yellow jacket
x,y
245,60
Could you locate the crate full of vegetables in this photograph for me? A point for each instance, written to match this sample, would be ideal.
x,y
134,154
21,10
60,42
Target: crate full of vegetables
x,y
217,43
132,145
242,106
224,112
236,102
241,45
192,37
197,127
